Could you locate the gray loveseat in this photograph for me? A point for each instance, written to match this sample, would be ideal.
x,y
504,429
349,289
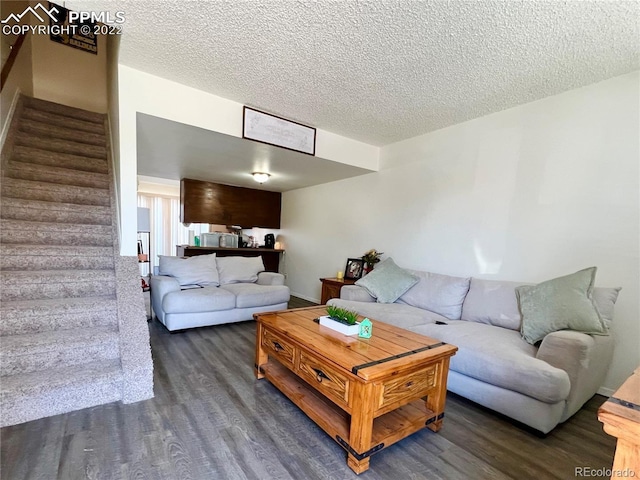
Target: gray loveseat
x,y
202,291
539,386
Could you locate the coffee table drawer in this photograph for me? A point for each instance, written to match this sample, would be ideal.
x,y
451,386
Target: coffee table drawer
x,y
406,387
279,347
326,379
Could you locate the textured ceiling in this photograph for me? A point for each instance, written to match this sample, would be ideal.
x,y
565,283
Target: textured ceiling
x,y
380,71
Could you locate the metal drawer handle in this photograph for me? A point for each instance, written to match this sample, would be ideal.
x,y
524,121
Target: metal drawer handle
x,y
277,346
320,375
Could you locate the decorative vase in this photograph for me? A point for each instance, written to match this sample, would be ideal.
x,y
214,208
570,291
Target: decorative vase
x,y
338,326
368,267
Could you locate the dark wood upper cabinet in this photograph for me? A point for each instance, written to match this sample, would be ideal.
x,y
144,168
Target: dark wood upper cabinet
x,y
206,202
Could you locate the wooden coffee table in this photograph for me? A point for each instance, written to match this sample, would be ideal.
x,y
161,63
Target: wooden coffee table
x,y
366,394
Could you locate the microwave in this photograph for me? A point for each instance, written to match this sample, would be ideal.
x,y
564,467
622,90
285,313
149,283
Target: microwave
x,y
218,239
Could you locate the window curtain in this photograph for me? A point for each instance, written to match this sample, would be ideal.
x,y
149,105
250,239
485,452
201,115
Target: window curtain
x,y
166,229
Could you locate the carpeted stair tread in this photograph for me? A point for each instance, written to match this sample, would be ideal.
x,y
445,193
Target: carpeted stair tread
x,y
37,156
45,130
51,392
45,233
46,380
34,316
53,237
8,224
53,349
55,276
60,146
64,110
66,213
37,284
55,250
68,122
17,345
15,263
52,192
56,175
31,308
44,350
22,256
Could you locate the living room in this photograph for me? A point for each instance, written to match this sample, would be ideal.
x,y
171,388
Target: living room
x,y
526,185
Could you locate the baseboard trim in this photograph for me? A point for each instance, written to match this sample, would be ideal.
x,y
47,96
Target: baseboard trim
x,y
304,297
607,392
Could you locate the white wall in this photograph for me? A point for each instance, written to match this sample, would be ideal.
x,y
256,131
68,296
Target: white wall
x,y
526,194
19,79
158,186
145,93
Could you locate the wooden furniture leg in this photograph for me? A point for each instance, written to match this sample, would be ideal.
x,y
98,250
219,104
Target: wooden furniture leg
x,y
435,401
261,355
361,426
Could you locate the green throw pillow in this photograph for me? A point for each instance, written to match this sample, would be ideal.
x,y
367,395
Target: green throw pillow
x,y
387,282
563,303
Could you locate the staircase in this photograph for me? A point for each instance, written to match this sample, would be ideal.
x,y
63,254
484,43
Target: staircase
x,y
73,331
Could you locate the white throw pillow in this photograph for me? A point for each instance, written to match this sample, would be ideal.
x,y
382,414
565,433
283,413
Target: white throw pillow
x,y
198,270
239,269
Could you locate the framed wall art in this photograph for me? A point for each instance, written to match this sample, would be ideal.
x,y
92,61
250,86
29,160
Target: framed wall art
x,y
266,128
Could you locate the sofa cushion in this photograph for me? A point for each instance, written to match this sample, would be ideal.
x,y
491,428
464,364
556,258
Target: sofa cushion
x,y
441,294
492,302
252,295
400,315
358,294
198,270
207,299
387,282
604,299
239,269
563,303
500,357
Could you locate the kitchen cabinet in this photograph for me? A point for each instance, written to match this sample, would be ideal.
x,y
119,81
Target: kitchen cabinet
x,y
207,202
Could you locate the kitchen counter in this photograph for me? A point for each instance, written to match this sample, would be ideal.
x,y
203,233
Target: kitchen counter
x,y
270,256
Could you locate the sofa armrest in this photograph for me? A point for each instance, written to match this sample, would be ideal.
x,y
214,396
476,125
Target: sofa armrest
x,y
585,358
270,278
355,293
566,349
160,286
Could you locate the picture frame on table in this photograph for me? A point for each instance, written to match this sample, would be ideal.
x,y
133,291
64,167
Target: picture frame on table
x,y
354,268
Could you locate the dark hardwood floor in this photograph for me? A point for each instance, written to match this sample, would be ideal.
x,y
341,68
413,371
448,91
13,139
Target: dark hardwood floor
x,y
210,419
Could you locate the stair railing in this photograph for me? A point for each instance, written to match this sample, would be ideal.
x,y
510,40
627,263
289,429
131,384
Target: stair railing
x,y
6,68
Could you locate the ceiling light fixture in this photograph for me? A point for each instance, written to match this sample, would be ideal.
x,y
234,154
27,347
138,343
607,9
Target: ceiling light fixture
x,y
260,177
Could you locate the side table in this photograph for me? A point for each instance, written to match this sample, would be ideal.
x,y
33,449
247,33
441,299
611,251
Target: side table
x,y
620,416
331,288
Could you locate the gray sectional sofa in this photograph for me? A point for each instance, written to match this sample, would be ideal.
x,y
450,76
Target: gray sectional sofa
x,y
539,385
202,291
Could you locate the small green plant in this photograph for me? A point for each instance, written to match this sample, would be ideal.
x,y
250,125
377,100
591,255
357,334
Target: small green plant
x,y
342,315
